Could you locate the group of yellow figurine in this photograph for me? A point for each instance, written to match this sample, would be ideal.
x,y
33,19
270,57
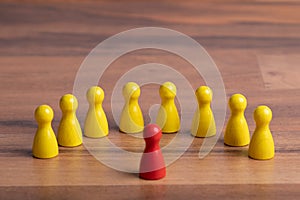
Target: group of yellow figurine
x,y
69,132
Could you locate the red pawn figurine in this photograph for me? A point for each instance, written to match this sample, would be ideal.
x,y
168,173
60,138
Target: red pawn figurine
x,y
152,166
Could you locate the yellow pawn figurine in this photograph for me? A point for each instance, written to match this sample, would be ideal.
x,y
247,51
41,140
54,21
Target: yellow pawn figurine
x,y
69,132
45,143
95,125
168,119
237,131
131,120
262,145
203,124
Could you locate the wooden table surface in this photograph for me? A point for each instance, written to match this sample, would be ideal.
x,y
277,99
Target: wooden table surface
x,y
255,44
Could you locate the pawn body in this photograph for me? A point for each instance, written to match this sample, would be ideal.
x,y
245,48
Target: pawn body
x,y
168,119
95,125
237,131
69,132
203,124
152,165
262,144
45,143
131,120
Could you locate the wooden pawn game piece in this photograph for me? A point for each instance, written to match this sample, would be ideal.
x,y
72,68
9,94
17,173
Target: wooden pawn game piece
x,y
131,120
96,125
168,119
237,131
203,124
69,132
152,165
45,143
262,144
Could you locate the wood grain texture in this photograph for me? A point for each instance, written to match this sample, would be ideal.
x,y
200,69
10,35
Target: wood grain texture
x,y
42,45
280,71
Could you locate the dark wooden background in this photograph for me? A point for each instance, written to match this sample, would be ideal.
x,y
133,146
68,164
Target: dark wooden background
x,y
255,44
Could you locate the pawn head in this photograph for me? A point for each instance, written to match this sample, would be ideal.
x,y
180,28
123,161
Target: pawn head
x,y
68,103
204,94
262,115
43,114
167,90
131,90
95,95
152,132
237,102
